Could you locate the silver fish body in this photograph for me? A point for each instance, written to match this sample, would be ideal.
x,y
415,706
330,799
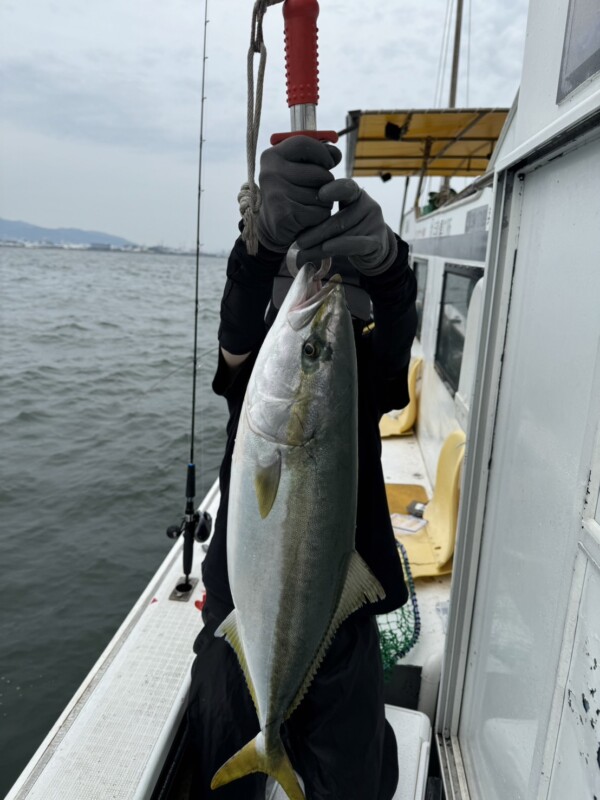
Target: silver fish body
x,y
293,570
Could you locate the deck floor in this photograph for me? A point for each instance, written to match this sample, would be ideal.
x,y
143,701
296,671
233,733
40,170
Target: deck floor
x,y
403,463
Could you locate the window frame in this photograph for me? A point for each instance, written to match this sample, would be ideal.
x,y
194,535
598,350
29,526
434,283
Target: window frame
x,y
417,262
583,72
475,274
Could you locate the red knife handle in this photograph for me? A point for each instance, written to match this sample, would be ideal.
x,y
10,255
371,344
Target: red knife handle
x,y
301,51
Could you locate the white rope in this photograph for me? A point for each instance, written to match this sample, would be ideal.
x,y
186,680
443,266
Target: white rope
x,y
249,196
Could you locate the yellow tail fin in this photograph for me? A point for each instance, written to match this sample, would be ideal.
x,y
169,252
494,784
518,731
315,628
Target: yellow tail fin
x,y
252,758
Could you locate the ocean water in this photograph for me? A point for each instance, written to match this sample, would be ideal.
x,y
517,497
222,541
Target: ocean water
x,y
95,409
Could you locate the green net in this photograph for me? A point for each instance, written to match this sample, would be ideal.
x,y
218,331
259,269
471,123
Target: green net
x,y
399,631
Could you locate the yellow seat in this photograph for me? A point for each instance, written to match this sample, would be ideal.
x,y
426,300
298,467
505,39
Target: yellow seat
x,y
401,495
430,550
405,421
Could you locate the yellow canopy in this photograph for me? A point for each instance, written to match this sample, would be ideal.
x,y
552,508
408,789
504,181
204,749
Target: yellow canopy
x,y
442,142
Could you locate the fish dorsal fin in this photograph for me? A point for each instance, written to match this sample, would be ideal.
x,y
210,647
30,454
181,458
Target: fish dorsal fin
x,y
266,484
360,587
229,630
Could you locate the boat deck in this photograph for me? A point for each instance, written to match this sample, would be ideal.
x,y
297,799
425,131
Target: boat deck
x,y
416,678
113,737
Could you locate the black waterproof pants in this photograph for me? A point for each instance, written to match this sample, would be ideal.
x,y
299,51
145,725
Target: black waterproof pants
x,y
338,739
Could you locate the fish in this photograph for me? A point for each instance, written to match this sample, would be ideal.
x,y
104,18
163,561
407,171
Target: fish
x,y
294,572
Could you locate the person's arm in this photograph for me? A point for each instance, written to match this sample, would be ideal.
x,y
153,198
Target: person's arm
x,y
233,361
245,298
393,295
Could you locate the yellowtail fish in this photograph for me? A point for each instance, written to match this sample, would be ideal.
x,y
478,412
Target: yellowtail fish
x,y
294,573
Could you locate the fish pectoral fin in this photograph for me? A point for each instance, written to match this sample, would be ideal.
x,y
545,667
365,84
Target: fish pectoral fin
x,y
266,484
229,630
360,587
253,758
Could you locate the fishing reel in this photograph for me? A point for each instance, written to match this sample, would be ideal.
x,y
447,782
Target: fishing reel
x,y
201,523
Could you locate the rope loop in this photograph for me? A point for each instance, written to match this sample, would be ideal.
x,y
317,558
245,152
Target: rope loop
x,y
249,197
258,14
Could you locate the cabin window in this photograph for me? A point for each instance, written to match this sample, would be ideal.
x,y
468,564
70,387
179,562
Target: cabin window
x,y
420,269
459,283
581,49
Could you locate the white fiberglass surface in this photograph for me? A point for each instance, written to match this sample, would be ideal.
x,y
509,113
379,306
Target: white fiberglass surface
x,y
575,769
539,472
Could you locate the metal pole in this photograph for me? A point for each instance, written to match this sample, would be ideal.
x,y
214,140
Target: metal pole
x,y
403,205
456,55
454,76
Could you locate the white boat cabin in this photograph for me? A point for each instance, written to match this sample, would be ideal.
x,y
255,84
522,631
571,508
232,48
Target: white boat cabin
x,y
514,360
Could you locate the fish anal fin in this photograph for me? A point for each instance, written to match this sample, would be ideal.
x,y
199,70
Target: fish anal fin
x,y
360,587
253,758
266,484
229,630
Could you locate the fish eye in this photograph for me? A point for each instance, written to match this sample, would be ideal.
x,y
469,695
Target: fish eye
x,y
310,349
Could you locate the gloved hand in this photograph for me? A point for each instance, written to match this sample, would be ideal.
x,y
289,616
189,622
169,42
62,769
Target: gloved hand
x,y
357,231
291,174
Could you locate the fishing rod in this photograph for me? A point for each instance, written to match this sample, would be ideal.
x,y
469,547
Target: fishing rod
x,y
196,525
301,45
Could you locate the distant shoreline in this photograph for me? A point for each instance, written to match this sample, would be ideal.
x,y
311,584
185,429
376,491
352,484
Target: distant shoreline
x,y
133,249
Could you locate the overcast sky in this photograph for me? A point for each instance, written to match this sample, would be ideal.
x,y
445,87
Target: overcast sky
x,y
100,101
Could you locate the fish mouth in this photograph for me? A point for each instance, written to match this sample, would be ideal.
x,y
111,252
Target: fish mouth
x,y
317,294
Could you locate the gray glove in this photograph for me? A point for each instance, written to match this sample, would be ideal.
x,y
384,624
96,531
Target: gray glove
x,y
291,174
357,231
